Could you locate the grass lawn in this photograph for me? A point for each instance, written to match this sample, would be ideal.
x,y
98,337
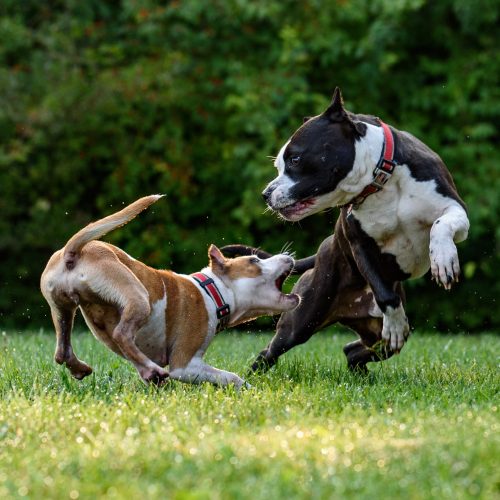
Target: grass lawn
x,y
424,424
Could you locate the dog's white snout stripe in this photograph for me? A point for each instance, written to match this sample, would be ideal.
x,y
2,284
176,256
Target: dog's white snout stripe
x,y
279,162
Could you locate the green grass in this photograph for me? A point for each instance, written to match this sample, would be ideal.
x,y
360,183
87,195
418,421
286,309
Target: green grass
x,y
424,424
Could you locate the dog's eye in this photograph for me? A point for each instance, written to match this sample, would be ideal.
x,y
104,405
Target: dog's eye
x,y
294,160
254,260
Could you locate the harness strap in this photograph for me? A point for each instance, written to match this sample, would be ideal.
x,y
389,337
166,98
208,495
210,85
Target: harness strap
x,y
223,310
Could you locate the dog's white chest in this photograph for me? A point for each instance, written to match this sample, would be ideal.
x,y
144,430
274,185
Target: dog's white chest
x,y
151,339
400,217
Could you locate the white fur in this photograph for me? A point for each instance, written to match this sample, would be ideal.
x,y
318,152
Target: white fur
x,y
374,311
279,162
280,197
197,371
451,227
259,295
400,217
103,228
395,328
151,338
366,154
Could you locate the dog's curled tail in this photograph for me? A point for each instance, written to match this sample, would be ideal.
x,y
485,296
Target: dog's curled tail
x,y
98,229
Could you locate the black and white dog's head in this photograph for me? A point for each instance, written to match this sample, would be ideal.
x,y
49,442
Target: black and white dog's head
x,y
314,165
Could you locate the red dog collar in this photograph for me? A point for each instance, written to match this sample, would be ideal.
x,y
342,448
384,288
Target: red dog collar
x,y
222,308
383,170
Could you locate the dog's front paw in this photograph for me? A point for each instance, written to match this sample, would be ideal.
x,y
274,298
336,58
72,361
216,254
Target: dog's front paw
x,y
445,267
240,384
395,329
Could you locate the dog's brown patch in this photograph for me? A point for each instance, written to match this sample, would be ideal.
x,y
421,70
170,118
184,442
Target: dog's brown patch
x,y
148,276
242,267
186,319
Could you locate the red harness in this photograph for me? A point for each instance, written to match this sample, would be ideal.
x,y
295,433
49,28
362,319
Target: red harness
x,y
222,308
383,170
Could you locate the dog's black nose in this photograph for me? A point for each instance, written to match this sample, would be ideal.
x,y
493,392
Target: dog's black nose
x,y
266,194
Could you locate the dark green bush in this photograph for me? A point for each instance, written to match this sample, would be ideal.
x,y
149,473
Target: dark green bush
x,y
103,102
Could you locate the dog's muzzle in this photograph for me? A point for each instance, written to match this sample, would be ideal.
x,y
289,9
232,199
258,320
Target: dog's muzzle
x,y
266,194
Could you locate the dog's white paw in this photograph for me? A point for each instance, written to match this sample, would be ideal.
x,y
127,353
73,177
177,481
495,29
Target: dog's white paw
x,y
395,329
240,384
445,266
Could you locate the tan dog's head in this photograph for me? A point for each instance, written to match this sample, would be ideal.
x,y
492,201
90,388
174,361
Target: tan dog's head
x,y
256,283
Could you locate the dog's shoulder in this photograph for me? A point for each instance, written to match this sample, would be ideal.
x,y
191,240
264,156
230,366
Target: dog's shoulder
x,y
424,164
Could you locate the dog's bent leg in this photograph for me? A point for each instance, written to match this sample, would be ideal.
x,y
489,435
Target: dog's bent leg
x,y
197,371
186,363
124,290
451,227
396,329
133,317
385,289
63,322
368,348
317,289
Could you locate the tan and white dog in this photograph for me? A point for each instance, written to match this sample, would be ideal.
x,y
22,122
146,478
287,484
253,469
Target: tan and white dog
x,y
155,318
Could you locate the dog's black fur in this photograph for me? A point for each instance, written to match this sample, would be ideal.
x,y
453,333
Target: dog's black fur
x,y
332,290
351,273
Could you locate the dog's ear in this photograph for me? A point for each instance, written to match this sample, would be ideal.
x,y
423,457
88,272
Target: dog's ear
x,y
216,259
336,111
359,128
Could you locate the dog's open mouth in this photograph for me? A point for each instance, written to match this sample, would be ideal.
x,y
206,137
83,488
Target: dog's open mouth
x,y
281,279
291,300
296,208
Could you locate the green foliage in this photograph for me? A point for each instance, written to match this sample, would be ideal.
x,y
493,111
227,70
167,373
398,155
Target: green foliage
x,y
103,102
424,424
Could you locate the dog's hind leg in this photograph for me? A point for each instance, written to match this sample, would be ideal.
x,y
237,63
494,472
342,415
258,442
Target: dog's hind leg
x,y
134,315
369,348
121,289
63,318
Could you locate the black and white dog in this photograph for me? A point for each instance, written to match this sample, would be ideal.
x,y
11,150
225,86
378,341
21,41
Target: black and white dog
x,y
400,215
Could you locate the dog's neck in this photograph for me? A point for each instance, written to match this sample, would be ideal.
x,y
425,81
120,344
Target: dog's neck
x,y
367,154
226,293
239,313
